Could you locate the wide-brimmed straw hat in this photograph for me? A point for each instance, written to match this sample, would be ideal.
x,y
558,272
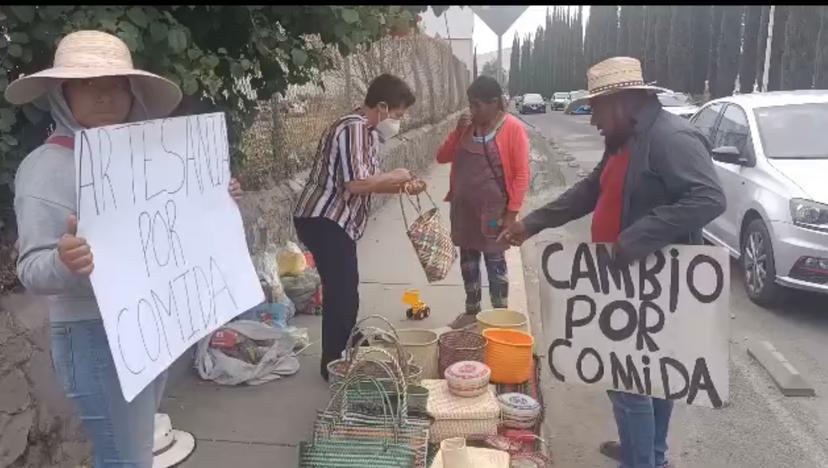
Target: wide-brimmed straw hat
x,y
616,74
94,54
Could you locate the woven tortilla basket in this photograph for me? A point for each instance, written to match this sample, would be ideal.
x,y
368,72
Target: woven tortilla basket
x,y
431,239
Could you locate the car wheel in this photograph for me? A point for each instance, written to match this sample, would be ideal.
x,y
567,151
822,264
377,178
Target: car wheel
x,y
758,265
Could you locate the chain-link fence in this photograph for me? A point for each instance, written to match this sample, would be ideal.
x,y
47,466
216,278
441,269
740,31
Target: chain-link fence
x,y
284,137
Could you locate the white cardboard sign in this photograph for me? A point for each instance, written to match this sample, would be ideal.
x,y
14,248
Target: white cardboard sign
x,y
171,258
659,327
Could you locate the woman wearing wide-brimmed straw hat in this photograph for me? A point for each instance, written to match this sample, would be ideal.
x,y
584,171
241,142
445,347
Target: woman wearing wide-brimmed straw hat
x,y
91,84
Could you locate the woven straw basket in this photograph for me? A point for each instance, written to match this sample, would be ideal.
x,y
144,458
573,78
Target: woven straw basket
x,y
431,240
460,345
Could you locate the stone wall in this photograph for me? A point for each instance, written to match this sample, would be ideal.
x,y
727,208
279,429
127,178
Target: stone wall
x,y
267,214
38,427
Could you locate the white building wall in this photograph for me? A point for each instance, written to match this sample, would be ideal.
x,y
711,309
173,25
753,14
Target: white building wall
x,y
459,31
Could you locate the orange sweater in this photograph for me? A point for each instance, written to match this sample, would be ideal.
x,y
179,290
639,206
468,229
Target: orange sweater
x,y
513,146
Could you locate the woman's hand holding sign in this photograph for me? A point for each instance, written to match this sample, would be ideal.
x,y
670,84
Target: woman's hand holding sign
x,y
235,189
73,251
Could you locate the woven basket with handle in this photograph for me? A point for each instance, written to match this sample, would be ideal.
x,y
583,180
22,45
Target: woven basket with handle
x,y
430,238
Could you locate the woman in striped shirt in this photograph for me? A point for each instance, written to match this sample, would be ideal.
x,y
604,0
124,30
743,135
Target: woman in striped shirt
x,y
333,209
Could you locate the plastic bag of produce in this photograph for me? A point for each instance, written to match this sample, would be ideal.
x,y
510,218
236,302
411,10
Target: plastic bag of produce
x,y
247,352
291,260
305,290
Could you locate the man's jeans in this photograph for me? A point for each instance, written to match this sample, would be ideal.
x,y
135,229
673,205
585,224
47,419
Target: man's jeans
x,y
642,429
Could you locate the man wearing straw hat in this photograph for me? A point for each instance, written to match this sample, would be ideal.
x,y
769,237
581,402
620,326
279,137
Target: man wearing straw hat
x,y
655,185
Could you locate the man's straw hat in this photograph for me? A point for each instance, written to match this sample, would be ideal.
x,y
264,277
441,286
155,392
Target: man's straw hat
x,y
93,54
613,75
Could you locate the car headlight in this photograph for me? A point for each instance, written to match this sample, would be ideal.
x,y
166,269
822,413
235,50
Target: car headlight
x,y
809,214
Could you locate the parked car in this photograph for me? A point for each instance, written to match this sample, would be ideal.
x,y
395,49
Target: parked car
x,y
576,107
559,101
771,154
532,103
678,104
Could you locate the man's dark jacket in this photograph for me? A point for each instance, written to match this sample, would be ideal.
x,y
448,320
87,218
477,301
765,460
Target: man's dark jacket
x,y
671,190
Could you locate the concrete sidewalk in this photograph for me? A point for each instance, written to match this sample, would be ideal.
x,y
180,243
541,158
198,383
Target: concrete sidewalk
x,y
262,426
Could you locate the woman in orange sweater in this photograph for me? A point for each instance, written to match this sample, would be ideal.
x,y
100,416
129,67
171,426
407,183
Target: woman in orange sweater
x,y
489,154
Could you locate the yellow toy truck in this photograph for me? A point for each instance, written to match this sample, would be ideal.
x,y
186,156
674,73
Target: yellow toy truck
x,y
418,309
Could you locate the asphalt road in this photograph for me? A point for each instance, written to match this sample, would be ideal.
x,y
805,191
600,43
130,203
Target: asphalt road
x,y
761,427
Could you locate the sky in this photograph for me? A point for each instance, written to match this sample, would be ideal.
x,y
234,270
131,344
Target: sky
x,y
486,41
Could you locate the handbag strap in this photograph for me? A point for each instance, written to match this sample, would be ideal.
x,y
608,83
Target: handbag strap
x,y
339,396
501,181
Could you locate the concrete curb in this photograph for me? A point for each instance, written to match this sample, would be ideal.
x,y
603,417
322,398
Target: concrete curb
x,y
783,373
519,116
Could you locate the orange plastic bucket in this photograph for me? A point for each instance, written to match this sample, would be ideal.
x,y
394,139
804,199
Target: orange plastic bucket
x,y
509,355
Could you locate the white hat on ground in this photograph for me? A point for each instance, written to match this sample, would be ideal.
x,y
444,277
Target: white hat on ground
x,y
170,447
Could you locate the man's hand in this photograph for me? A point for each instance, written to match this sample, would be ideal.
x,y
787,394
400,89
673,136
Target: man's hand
x,y
73,251
619,257
235,189
509,218
463,123
415,187
515,234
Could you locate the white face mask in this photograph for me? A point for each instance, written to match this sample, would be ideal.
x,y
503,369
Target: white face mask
x,y
388,128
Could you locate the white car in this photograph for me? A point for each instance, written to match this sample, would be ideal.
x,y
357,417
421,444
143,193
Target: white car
x,y
678,104
771,155
559,101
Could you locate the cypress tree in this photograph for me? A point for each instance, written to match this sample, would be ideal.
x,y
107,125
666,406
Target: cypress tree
x,y
611,31
821,75
474,63
551,62
649,64
729,51
680,47
514,67
715,38
625,30
801,34
747,67
780,18
538,71
637,35
702,33
578,49
761,45
662,44
525,65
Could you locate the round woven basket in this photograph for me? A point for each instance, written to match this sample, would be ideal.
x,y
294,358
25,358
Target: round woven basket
x,y
422,346
509,355
460,345
502,318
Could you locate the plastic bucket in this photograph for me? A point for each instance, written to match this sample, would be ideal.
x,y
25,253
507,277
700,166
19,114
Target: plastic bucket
x,y
509,355
502,318
422,346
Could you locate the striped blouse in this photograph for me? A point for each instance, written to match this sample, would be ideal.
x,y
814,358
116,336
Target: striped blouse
x,y
347,151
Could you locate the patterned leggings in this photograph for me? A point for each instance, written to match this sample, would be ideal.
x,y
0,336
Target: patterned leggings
x,y
498,279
